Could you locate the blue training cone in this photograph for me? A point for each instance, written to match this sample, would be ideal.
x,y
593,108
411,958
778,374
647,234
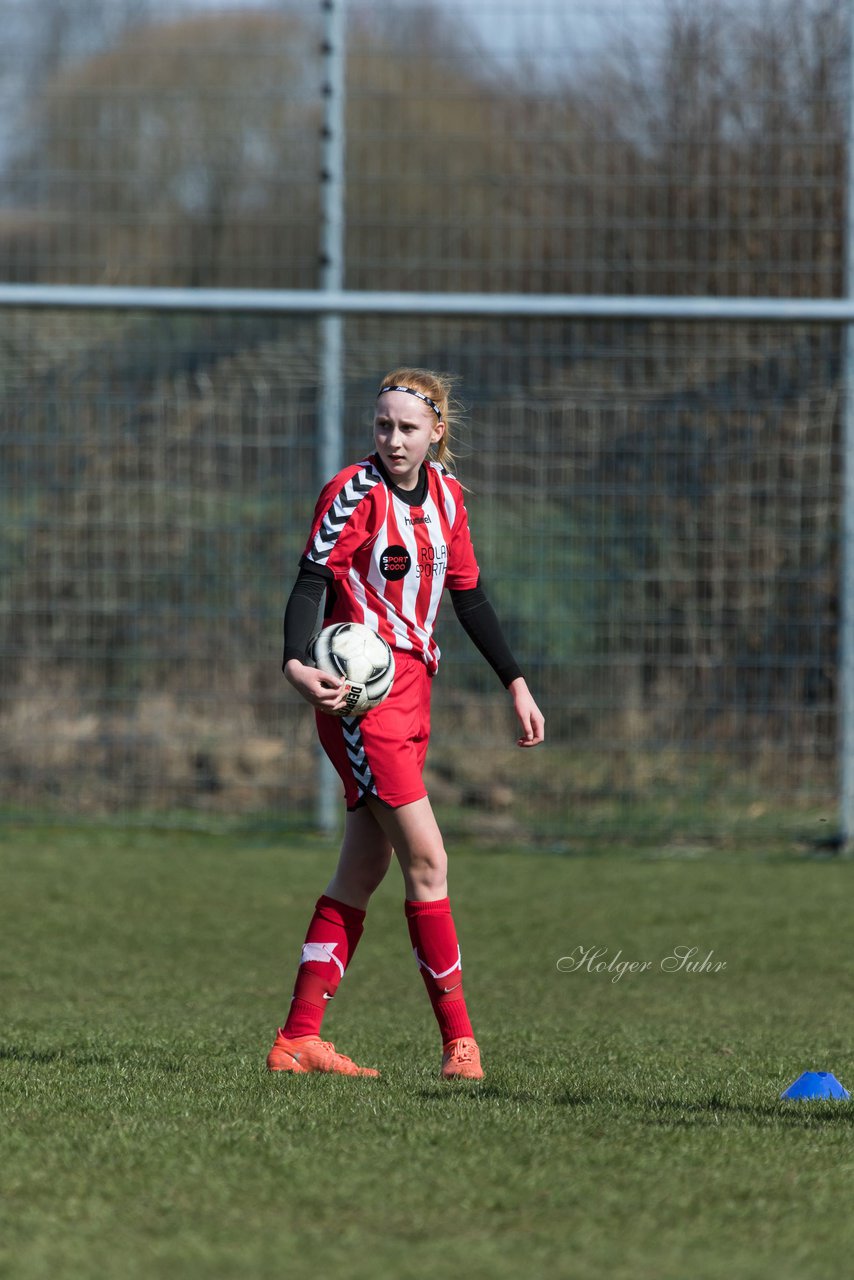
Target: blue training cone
x,y
816,1084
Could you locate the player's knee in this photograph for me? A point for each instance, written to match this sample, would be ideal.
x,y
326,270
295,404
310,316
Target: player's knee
x,y
428,867
373,871
368,867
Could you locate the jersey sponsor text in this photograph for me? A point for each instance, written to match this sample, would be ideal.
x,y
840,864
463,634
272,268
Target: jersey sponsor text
x,y
389,558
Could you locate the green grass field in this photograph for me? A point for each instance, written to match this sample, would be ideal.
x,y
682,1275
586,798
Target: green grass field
x,y
627,1128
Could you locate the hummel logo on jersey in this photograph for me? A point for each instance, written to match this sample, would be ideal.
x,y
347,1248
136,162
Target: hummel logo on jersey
x,y
417,520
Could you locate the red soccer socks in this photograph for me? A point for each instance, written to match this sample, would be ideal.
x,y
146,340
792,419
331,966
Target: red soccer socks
x,y
332,937
437,953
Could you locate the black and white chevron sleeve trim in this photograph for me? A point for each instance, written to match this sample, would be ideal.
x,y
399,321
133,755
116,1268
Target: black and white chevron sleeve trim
x,y
346,502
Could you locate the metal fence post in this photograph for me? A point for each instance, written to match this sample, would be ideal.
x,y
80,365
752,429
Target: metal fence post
x,y
846,572
332,184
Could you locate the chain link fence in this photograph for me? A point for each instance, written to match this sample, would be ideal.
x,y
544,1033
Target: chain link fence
x,y
656,504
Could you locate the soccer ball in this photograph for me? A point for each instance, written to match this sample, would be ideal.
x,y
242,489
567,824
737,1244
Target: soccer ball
x,y
354,651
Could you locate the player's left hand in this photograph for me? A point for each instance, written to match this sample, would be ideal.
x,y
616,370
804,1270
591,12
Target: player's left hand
x,y
531,718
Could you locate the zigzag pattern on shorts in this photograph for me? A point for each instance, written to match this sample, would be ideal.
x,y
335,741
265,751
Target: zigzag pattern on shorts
x,y
340,512
356,755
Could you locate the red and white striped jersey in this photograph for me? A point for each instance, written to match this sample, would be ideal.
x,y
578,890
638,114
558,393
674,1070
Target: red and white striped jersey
x,y
390,559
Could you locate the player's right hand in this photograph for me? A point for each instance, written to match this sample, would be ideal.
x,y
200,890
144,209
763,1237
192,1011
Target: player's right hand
x,y
325,692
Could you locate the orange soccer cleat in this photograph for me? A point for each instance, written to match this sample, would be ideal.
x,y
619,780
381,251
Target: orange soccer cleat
x,y
461,1060
310,1053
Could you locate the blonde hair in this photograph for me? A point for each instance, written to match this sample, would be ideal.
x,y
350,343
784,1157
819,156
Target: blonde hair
x,y
438,386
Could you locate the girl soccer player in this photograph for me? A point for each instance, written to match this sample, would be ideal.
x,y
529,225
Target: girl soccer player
x,y
389,534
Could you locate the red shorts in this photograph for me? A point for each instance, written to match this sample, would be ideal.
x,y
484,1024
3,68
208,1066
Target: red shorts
x,y
382,753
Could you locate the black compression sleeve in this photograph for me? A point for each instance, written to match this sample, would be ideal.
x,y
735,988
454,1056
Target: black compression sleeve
x,y
301,613
478,620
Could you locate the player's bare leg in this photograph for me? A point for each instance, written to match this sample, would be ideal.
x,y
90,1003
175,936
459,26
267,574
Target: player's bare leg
x,y
365,857
414,833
